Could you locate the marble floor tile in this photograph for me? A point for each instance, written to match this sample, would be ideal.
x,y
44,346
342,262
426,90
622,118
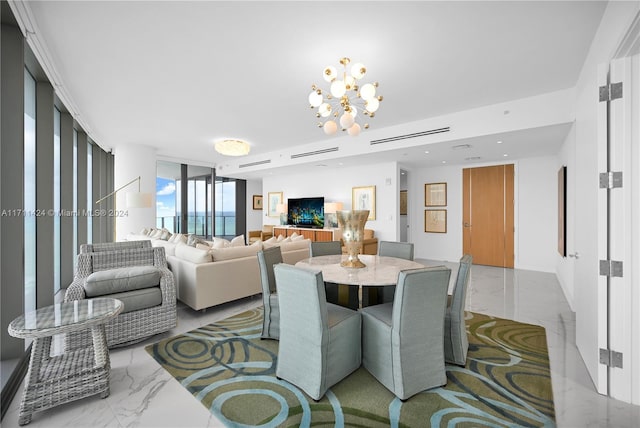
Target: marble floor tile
x,y
144,395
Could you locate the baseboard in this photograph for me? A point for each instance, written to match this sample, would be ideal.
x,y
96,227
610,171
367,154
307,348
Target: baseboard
x,y
13,384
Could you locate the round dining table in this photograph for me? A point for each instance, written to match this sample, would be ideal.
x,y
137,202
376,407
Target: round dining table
x,y
379,270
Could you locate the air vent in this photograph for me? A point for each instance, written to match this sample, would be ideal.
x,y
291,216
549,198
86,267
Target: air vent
x,y
245,165
461,147
407,136
316,152
472,158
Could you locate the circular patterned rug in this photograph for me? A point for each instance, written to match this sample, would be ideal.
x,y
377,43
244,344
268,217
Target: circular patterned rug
x,y
227,367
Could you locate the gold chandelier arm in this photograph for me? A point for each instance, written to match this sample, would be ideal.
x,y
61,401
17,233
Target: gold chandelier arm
x,y
119,189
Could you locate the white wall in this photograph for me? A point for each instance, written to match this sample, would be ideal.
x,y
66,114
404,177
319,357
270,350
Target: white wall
x,y
336,184
254,217
535,214
131,161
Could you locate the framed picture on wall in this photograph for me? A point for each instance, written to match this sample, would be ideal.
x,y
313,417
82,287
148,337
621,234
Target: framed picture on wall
x,y
257,202
364,198
275,199
435,195
435,221
403,202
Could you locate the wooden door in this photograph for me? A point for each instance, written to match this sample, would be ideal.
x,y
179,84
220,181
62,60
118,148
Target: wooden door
x,y
488,215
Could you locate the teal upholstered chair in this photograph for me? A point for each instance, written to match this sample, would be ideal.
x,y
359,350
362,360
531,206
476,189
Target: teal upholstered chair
x,y
339,294
325,248
456,343
402,342
271,317
378,295
401,250
319,341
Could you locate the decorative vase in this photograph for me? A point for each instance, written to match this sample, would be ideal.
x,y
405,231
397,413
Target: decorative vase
x,y
352,225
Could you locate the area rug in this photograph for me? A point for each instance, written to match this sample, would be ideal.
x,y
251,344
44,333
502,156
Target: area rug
x,y
231,371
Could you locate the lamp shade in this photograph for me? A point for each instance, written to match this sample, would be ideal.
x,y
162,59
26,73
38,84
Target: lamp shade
x,y
139,200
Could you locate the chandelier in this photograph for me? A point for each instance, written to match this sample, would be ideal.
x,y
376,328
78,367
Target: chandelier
x,y
346,101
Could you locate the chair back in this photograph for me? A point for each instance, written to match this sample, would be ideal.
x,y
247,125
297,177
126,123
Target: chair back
x,y
459,294
420,300
401,250
326,248
303,303
114,246
267,259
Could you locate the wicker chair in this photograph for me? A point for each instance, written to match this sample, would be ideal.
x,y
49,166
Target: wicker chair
x,y
134,326
114,246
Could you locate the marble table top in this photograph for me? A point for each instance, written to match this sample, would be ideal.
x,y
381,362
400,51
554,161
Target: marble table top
x,y
380,270
65,317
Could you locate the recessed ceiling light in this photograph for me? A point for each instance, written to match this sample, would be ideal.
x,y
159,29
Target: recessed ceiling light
x,y
444,161
499,142
505,155
426,151
402,173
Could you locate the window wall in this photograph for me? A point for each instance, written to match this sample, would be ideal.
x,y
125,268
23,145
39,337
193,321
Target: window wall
x,y
44,193
209,210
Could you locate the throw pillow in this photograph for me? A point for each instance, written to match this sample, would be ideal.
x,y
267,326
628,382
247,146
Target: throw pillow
x,y
220,243
238,241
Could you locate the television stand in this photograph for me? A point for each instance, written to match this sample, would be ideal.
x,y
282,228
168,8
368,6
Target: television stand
x,y
333,234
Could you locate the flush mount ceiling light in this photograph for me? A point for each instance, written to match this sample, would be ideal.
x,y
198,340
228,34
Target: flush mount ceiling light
x,y
232,147
346,101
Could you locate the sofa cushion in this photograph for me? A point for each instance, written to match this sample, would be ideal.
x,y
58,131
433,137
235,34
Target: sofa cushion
x,y
295,245
220,243
200,246
139,299
229,253
238,241
122,279
191,254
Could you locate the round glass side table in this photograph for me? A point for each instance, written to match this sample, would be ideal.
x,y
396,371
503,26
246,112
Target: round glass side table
x,y
77,373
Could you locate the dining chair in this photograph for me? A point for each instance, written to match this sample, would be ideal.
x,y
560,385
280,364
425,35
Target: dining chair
x,y
456,343
402,342
379,295
401,250
267,259
325,248
339,294
319,341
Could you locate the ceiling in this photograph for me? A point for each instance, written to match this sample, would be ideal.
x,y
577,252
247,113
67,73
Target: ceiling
x,y
178,75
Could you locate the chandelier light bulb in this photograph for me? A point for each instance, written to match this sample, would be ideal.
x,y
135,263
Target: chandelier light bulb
x,y
354,130
324,110
315,99
353,111
358,70
330,127
346,120
329,73
367,91
372,105
350,83
338,88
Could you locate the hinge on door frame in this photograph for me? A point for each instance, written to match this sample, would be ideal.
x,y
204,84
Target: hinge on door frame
x,y
610,92
611,358
611,268
610,179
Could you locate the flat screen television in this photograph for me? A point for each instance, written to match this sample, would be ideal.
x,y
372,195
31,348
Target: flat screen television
x,y
306,212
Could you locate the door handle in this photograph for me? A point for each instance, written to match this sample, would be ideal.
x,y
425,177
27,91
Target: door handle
x,y
576,255
467,224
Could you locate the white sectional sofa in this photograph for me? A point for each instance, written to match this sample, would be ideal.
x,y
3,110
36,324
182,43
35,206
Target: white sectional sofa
x,y
207,277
